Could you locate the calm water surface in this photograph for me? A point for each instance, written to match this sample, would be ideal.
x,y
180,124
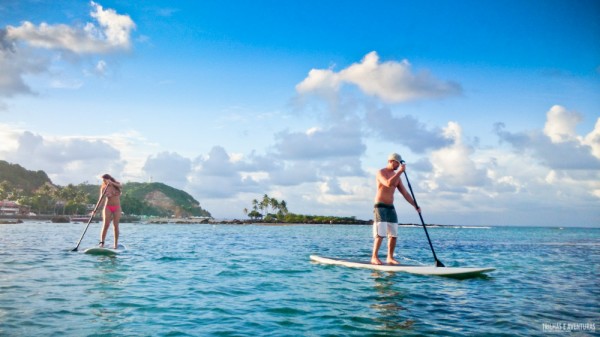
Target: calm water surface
x,y
221,280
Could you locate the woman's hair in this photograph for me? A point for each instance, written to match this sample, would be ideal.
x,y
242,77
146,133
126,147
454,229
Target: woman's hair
x,y
109,177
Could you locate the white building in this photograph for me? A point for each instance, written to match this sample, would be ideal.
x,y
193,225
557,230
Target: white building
x,y
9,208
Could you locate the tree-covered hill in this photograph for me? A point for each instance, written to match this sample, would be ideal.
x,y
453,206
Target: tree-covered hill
x,y
164,197
36,191
20,178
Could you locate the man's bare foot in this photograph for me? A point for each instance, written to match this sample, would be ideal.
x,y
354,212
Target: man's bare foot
x,y
375,260
392,261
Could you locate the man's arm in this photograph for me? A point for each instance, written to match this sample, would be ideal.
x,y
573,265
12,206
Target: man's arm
x,y
392,181
407,196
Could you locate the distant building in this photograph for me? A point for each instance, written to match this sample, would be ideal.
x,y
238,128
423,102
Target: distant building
x,y
9,208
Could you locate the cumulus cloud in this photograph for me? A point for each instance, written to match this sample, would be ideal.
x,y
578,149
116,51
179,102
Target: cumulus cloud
x,y
111,33
558,146
453,166
169,168
343,140
15,65
560,124
318,153
218,176
592,139
332,186
64,159
405,130
390,81
27,49
101,68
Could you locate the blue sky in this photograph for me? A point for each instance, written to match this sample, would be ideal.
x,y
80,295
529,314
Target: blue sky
x,y
493,105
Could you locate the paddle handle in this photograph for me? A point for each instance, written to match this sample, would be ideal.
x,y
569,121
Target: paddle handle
x,y
438,263
91,217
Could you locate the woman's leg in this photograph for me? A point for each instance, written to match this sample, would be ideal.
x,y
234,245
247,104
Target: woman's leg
x,y
116,219
106,215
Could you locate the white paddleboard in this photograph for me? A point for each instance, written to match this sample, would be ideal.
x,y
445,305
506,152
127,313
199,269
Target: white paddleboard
x,y
106,251
460,272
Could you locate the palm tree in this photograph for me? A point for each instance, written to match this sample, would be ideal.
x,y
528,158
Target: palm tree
x,y
274,203
43,197
283,207
264,204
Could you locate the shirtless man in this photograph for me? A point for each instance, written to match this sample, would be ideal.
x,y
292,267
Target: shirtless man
x,y
386,220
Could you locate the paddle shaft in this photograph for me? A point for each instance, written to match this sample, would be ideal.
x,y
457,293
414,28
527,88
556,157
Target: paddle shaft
x,y
438,263
91,217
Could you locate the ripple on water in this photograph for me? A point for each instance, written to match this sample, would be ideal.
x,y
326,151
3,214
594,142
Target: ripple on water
x,y
258,281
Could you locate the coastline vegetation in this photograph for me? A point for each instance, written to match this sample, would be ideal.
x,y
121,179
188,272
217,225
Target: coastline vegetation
x,y
280,214
36,195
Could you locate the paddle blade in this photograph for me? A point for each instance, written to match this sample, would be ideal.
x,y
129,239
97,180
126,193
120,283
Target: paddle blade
x,y
439,263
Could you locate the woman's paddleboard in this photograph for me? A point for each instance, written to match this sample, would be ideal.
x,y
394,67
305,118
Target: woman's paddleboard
x,y
459,272
106,251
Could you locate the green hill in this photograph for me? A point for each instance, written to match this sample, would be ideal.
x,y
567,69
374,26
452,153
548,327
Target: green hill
x,y
20,178
35,189
159,196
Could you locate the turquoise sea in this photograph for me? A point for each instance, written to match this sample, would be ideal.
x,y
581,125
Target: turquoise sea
x,y
257,280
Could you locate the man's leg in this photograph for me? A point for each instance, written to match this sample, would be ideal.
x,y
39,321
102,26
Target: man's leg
x,y
376,244
391,247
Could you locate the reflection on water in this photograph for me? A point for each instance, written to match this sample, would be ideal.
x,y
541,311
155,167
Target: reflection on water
x,y
388,303
108,286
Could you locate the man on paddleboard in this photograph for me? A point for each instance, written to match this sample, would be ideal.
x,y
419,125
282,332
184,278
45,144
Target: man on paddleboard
x,y
386,220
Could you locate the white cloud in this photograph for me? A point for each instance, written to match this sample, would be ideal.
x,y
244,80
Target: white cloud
x,y
558,146
405,130
390,81
293,173
217,176
317,154
592,140
75,159
453,166
30,49
320,81
332,186
15,65
101,68
64,159
560,124
112,34
342,140
169,168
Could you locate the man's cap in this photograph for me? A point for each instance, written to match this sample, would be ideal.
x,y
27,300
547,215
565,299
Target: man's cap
x,y
396,157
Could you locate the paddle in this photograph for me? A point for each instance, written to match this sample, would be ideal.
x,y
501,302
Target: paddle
x,y
91,217
438,263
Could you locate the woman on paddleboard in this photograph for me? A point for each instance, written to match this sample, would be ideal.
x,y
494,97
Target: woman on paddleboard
x,y
111,191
